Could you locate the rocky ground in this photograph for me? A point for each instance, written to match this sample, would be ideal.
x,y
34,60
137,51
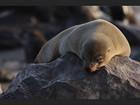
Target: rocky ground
x,y
11,62
65,78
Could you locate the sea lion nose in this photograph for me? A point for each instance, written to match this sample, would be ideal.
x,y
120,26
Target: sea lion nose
x,y
93,67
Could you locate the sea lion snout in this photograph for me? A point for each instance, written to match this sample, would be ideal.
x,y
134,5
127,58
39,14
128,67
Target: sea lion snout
x,y
92,67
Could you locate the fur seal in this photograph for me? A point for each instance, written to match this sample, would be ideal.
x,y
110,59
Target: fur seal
x,y
95,42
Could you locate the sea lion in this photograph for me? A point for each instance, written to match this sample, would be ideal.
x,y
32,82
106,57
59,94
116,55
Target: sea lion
x,y
94,42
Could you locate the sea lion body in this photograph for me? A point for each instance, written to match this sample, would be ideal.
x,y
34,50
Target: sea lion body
x,y
93,40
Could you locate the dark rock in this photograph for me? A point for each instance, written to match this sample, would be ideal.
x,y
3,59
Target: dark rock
x,y
9,37
131,32
65,78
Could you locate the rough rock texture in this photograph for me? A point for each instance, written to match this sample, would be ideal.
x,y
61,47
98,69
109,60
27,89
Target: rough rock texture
x,y
65,78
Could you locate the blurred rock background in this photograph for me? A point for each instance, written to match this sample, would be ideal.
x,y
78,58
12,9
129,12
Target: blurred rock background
x,y
23,30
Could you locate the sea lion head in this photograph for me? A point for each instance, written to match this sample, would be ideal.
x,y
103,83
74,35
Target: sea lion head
x,y
95,54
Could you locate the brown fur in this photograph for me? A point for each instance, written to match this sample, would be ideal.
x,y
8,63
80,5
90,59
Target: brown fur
x,y
95,42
